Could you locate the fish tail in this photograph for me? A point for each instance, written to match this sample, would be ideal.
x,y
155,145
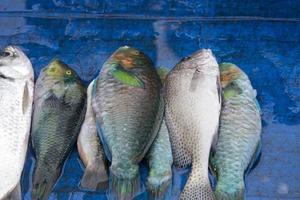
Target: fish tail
x,y
16,194
237,194
159,187
124,182
230,187
43,181
95,177
198,185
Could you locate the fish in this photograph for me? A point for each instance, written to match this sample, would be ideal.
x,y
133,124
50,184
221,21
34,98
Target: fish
x,y
129,110
16,89
192,98
91,151
160,159
239,144
59,110
160,162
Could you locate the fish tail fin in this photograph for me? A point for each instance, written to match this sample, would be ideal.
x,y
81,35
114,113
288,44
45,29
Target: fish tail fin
x,y
198,185
43,182
234,193
124,182
95,177
16,194
159,188
159,185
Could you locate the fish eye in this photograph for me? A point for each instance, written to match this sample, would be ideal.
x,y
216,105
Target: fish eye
x,y
135,52
7,54
68,72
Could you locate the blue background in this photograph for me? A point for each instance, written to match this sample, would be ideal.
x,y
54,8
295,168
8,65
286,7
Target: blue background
x,y
262,37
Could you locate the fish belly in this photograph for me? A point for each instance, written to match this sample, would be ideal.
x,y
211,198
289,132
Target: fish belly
x,y
14,129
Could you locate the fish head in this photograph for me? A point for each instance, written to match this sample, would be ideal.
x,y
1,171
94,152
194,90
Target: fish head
x,y
14,63
201,61
59,78
229,73
59,71
130,58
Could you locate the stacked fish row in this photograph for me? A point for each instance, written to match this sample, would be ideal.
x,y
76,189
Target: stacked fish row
x,y
203,115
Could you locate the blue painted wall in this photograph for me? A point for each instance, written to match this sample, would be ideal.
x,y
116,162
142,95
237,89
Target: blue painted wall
x,y
262,37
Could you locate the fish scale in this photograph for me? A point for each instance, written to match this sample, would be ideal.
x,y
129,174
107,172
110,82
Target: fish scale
x,y
121,114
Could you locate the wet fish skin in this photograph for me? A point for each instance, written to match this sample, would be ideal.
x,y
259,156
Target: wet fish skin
x,y
239,141
128,114
91,151
16,89
192,107
160,162
59,109
160,159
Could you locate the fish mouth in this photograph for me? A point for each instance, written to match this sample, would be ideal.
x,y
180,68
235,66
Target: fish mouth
x,y
201,60
203,54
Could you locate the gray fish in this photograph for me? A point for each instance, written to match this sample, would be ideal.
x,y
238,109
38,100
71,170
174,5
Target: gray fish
x,y
91,151
129,111
59,109
239,141
192,109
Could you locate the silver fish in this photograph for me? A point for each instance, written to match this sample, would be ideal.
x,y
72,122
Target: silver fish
x,y
16,89
91,151
192,109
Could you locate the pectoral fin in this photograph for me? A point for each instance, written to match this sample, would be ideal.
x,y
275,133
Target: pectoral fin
x,y
26,99
195,80
231,90
127,77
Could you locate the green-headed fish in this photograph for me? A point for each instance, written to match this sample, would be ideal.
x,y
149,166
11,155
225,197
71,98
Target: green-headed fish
x,y
16,97
239,140
129,111
91,151
192,109
59,109
160,160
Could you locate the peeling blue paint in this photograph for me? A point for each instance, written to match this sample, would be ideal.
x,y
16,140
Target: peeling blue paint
x,y
262,37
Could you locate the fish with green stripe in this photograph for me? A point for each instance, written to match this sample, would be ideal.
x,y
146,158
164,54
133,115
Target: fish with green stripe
x,y
129,110
59,109
239,142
